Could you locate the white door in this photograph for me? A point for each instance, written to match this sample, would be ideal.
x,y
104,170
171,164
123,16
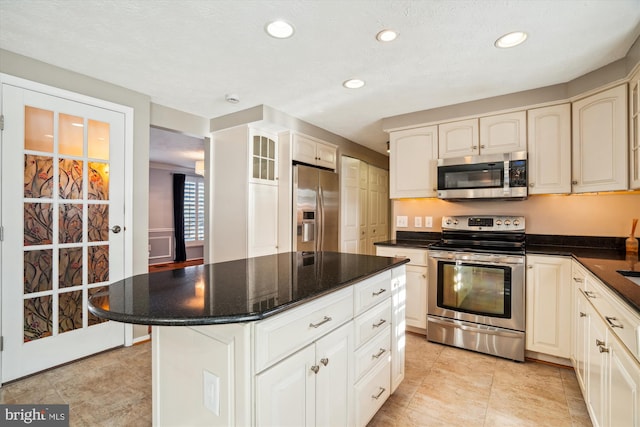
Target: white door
x,y
62,199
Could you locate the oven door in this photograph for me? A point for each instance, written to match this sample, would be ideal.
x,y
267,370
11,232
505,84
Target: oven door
x,y
480,288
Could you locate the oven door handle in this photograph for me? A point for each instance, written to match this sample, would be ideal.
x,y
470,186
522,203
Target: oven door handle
x,y
475,328
500,260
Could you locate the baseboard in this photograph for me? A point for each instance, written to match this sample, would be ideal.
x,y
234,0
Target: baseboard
x,y
548,359
141,339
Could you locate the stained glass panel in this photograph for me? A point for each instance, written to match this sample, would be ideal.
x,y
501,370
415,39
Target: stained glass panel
x,y
101,300
98,136
98,225
69,311
70,267
38,224
38,129
38,176
98,181
70,228
70,178
98,264
38,318
70,135
38,270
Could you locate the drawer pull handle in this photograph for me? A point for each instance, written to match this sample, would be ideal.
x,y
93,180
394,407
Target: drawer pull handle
x,y
603,349
324,361
382,390
612,321
315,369
583,314
578,279
380,323
375,294
599,343
380,353
322,322
589,294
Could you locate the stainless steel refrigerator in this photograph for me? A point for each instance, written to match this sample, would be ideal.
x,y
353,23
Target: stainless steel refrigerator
x,y
316,210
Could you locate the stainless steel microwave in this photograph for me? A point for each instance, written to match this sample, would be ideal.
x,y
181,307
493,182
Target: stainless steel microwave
x,y
491,176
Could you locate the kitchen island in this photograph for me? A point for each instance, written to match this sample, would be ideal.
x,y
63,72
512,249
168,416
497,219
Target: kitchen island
x,y
286,339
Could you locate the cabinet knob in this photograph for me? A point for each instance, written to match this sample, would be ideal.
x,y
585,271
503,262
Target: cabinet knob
x,y
530,267
577,279
574,182
599,343
474,147
315,369
583,314
482,146
531,184
324,361
603,349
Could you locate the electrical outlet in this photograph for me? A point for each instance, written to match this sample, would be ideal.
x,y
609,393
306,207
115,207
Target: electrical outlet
x,y
428,221
402,221
211,394
417,222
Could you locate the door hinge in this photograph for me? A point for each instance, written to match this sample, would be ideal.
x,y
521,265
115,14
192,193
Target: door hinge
x,y
1,343
1,122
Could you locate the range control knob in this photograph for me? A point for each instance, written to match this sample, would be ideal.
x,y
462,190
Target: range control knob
x,y
507,222
516,222
499,222
455,222
448,221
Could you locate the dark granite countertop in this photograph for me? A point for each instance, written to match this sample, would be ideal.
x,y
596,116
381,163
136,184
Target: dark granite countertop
x,y
234,291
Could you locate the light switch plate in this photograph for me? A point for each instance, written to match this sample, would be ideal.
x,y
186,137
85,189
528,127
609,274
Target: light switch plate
x,y
417,222
402,221
428,221
211,394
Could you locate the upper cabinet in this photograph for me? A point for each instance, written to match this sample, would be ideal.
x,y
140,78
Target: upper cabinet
x,y
503,133
549,141
600,142
634,128
313,151
412,162
457,139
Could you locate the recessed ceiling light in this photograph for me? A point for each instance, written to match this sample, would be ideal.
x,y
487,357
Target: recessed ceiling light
x,y
279,29
353,83
511,39
386,36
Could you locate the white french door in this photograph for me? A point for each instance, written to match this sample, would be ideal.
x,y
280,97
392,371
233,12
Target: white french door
x,y
62,193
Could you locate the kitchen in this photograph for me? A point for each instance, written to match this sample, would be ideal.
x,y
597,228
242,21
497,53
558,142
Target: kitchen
x,y
613,222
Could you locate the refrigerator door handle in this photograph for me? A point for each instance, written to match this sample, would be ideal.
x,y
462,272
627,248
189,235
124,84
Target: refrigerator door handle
x,y
320,234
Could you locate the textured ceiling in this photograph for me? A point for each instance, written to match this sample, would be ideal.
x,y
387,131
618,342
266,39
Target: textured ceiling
x,y
188,54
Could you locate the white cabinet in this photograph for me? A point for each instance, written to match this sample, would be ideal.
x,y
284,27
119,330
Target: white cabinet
x,y
313,151
412,163
549,142
548,298
634,128
416,284
503,133
398,342
364,196
313,387
600,142
606,354
460,138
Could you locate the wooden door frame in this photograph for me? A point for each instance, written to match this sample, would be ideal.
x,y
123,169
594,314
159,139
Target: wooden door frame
x,y
128,167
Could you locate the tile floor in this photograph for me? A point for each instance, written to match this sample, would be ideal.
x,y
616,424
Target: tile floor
x,y
443,386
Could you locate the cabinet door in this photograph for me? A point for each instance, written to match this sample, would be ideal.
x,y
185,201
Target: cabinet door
x,y
304,149
596,372
600,142
634,137
549,142
350,204
548,299
363,202
285,393
581,338
334,380
263,220
398,309
326,155
412,163
503,133
623,387
458,139
416,304
378,207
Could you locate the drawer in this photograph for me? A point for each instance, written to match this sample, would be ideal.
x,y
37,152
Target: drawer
x,y
280,335
372,291
374,352
416,256
372,323
371,392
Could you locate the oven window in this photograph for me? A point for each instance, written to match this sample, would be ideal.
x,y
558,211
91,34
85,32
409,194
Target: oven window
x,y
472,288
485,175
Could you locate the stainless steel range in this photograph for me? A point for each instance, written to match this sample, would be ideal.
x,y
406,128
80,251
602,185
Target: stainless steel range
x,y
477,285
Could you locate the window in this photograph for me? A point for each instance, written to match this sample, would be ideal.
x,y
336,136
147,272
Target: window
x,y
194,210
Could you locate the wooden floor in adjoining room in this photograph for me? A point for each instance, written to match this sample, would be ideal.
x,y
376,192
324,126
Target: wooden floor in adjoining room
x,y
444,386
174,265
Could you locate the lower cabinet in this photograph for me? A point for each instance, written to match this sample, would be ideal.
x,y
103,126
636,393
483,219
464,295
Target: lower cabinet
x,y
607,369
310,387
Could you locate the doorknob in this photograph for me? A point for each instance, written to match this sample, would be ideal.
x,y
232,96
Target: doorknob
x,y
116,229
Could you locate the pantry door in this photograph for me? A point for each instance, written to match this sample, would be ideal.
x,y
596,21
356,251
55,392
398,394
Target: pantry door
x,y
62,188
